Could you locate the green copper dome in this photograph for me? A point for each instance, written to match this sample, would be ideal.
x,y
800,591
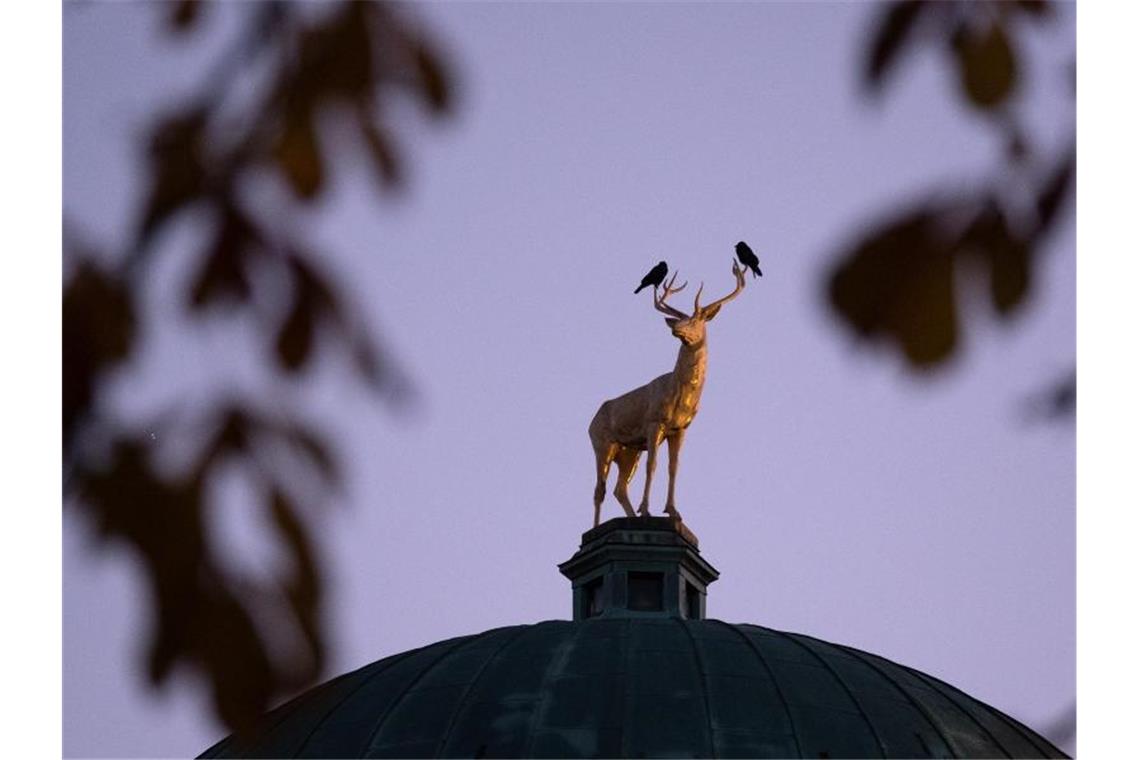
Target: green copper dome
x,y
637,687
639,672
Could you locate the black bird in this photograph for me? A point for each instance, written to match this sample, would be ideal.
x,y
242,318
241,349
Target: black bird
x,y
655,277
748,258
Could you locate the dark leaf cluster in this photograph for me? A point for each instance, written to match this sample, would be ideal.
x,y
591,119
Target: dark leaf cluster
x,y
978,37
205,618
898,279
252,641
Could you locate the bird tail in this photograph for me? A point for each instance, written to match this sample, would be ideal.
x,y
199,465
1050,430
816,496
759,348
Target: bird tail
x,y
639,287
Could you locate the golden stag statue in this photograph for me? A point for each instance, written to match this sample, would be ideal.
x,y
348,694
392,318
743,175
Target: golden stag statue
x,y
661,409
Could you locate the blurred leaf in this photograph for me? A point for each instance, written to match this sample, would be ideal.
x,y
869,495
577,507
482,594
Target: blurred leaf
x,y
895,25
334,58
207,617
223,274
298,155
232,431
311,284
1017,148
268,23
303,589
233,435
366,358
1009,274
200,621
1056,401
347,59
295,338
384,157
162,521
1063,396
987,65
98,307
243,677
1055,191
314,449
184,14
178,173
1040,9
1008,256
99,327
434,80
897,282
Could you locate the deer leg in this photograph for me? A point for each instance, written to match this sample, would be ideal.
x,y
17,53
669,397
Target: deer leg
x,y
605,455
652,441
675,441
627,466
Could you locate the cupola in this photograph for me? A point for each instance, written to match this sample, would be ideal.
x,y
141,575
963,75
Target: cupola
x,y
639,567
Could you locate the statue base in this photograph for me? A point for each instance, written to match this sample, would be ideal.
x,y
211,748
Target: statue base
x,y
639,567
640,528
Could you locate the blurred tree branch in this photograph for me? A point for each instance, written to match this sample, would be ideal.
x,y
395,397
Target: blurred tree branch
x,y
898,280
343,57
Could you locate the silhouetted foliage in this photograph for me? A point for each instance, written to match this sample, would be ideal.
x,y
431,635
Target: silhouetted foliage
x,y
898,279
1056,401
324,61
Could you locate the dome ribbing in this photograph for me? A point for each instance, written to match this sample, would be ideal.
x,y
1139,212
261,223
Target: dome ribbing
x,y
650,687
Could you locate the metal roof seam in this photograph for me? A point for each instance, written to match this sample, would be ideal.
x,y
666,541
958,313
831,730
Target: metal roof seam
x,y
419,677
284,711
863,657
959,708
436,699
557,662
768,669
846,687
627,693
455,713
705,680
394,659
1025,732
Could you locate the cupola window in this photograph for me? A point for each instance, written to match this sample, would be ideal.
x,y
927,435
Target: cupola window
x,y
692,602
646,592
592,598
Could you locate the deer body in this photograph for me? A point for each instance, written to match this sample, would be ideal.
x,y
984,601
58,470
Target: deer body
x,y
662,409
669,401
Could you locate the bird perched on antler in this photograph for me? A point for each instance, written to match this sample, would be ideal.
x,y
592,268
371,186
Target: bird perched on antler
x,y
655,277
748,258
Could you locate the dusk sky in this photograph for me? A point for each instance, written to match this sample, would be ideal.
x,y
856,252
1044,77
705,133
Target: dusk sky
x,y
922,518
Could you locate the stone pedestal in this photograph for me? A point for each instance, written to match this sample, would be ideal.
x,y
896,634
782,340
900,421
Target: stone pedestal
x,y
639,567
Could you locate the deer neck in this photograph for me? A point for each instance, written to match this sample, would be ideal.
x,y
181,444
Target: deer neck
x,y
691,361
688,381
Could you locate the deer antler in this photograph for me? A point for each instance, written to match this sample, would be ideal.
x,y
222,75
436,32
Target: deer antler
x,y
739,273
659,301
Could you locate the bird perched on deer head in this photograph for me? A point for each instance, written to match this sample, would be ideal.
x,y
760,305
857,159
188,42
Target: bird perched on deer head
x,y
655,277
748,258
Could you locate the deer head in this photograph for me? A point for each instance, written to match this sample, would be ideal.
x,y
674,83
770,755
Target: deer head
x,y
690,328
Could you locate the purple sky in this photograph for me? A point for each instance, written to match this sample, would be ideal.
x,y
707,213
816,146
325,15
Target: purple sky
x,y
840,496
